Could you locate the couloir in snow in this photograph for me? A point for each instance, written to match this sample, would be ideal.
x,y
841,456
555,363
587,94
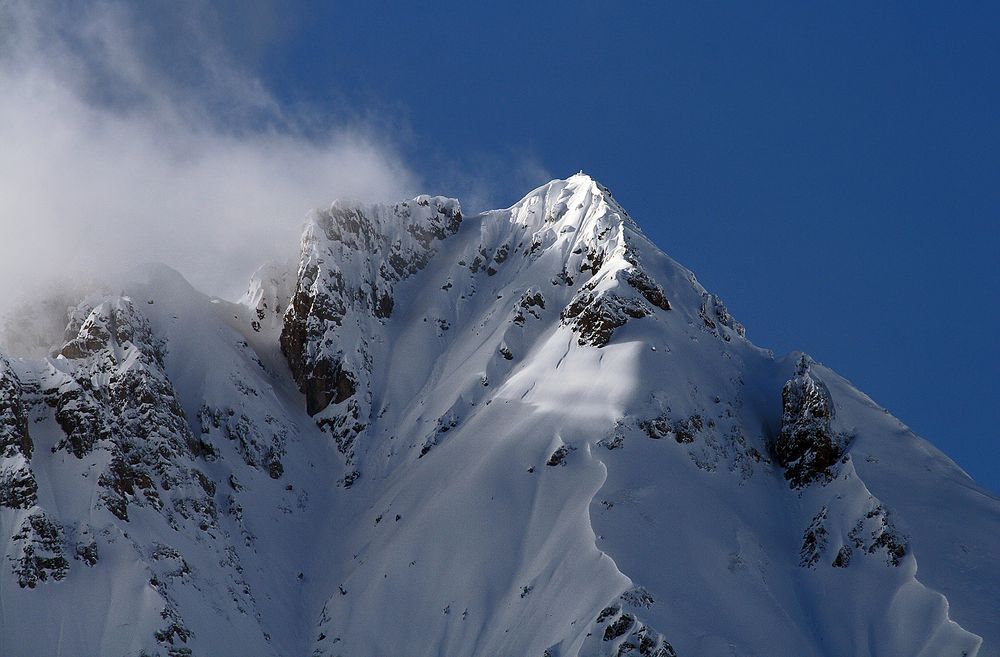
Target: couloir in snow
x,y
526,433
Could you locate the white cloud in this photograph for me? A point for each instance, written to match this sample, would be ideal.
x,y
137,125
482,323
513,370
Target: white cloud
x,y
110,154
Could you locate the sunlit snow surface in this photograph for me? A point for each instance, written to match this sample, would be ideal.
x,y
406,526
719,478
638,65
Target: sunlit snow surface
x,y
510,485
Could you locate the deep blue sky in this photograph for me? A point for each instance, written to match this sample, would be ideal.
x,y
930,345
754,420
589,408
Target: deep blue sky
x,y
830,169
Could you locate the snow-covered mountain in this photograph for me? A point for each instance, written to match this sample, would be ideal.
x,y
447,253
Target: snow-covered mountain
x,y
525,433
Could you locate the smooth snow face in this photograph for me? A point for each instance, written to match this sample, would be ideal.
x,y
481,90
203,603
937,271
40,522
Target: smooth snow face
x,y
528,432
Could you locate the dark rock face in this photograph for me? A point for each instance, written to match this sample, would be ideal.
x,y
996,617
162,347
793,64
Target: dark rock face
x,y
814,540
683,431
41,558
327,387
261,445
876,533
111,396
134,415
595,313
715,317
657,427
18,489
872,534
78,413
648,288
173,633
14,437
351,259
143,469
312,310
595,316
843,558
607,612
558,457
618,627
618,288
627,635
807,446
87,552
530,304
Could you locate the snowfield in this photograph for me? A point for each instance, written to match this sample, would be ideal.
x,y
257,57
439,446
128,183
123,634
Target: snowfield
x,y
524,433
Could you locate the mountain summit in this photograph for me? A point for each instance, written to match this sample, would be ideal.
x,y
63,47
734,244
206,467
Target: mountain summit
x,y
525,433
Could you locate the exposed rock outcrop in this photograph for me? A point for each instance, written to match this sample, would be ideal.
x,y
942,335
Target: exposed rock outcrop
x,y
116,397
14,436
40,555
620,633
716,317
807,447
18,488
611,299
594,315
352,257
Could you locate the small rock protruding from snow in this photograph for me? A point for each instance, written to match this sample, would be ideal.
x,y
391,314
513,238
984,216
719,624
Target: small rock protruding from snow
x,y
807,446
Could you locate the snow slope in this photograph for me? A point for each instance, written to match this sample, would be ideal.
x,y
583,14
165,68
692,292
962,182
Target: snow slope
x,y
528,432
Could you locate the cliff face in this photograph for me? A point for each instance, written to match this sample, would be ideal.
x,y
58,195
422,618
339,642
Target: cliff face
x,y
528,432
351,260
18,488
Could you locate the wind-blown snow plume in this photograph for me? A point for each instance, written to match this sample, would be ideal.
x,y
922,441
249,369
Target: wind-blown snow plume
x,y
128,139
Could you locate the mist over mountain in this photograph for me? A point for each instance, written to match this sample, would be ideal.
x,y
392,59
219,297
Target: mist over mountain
x,y
421,433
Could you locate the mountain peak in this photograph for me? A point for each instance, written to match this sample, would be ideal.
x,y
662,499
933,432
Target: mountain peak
x,y
574,202
520,419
